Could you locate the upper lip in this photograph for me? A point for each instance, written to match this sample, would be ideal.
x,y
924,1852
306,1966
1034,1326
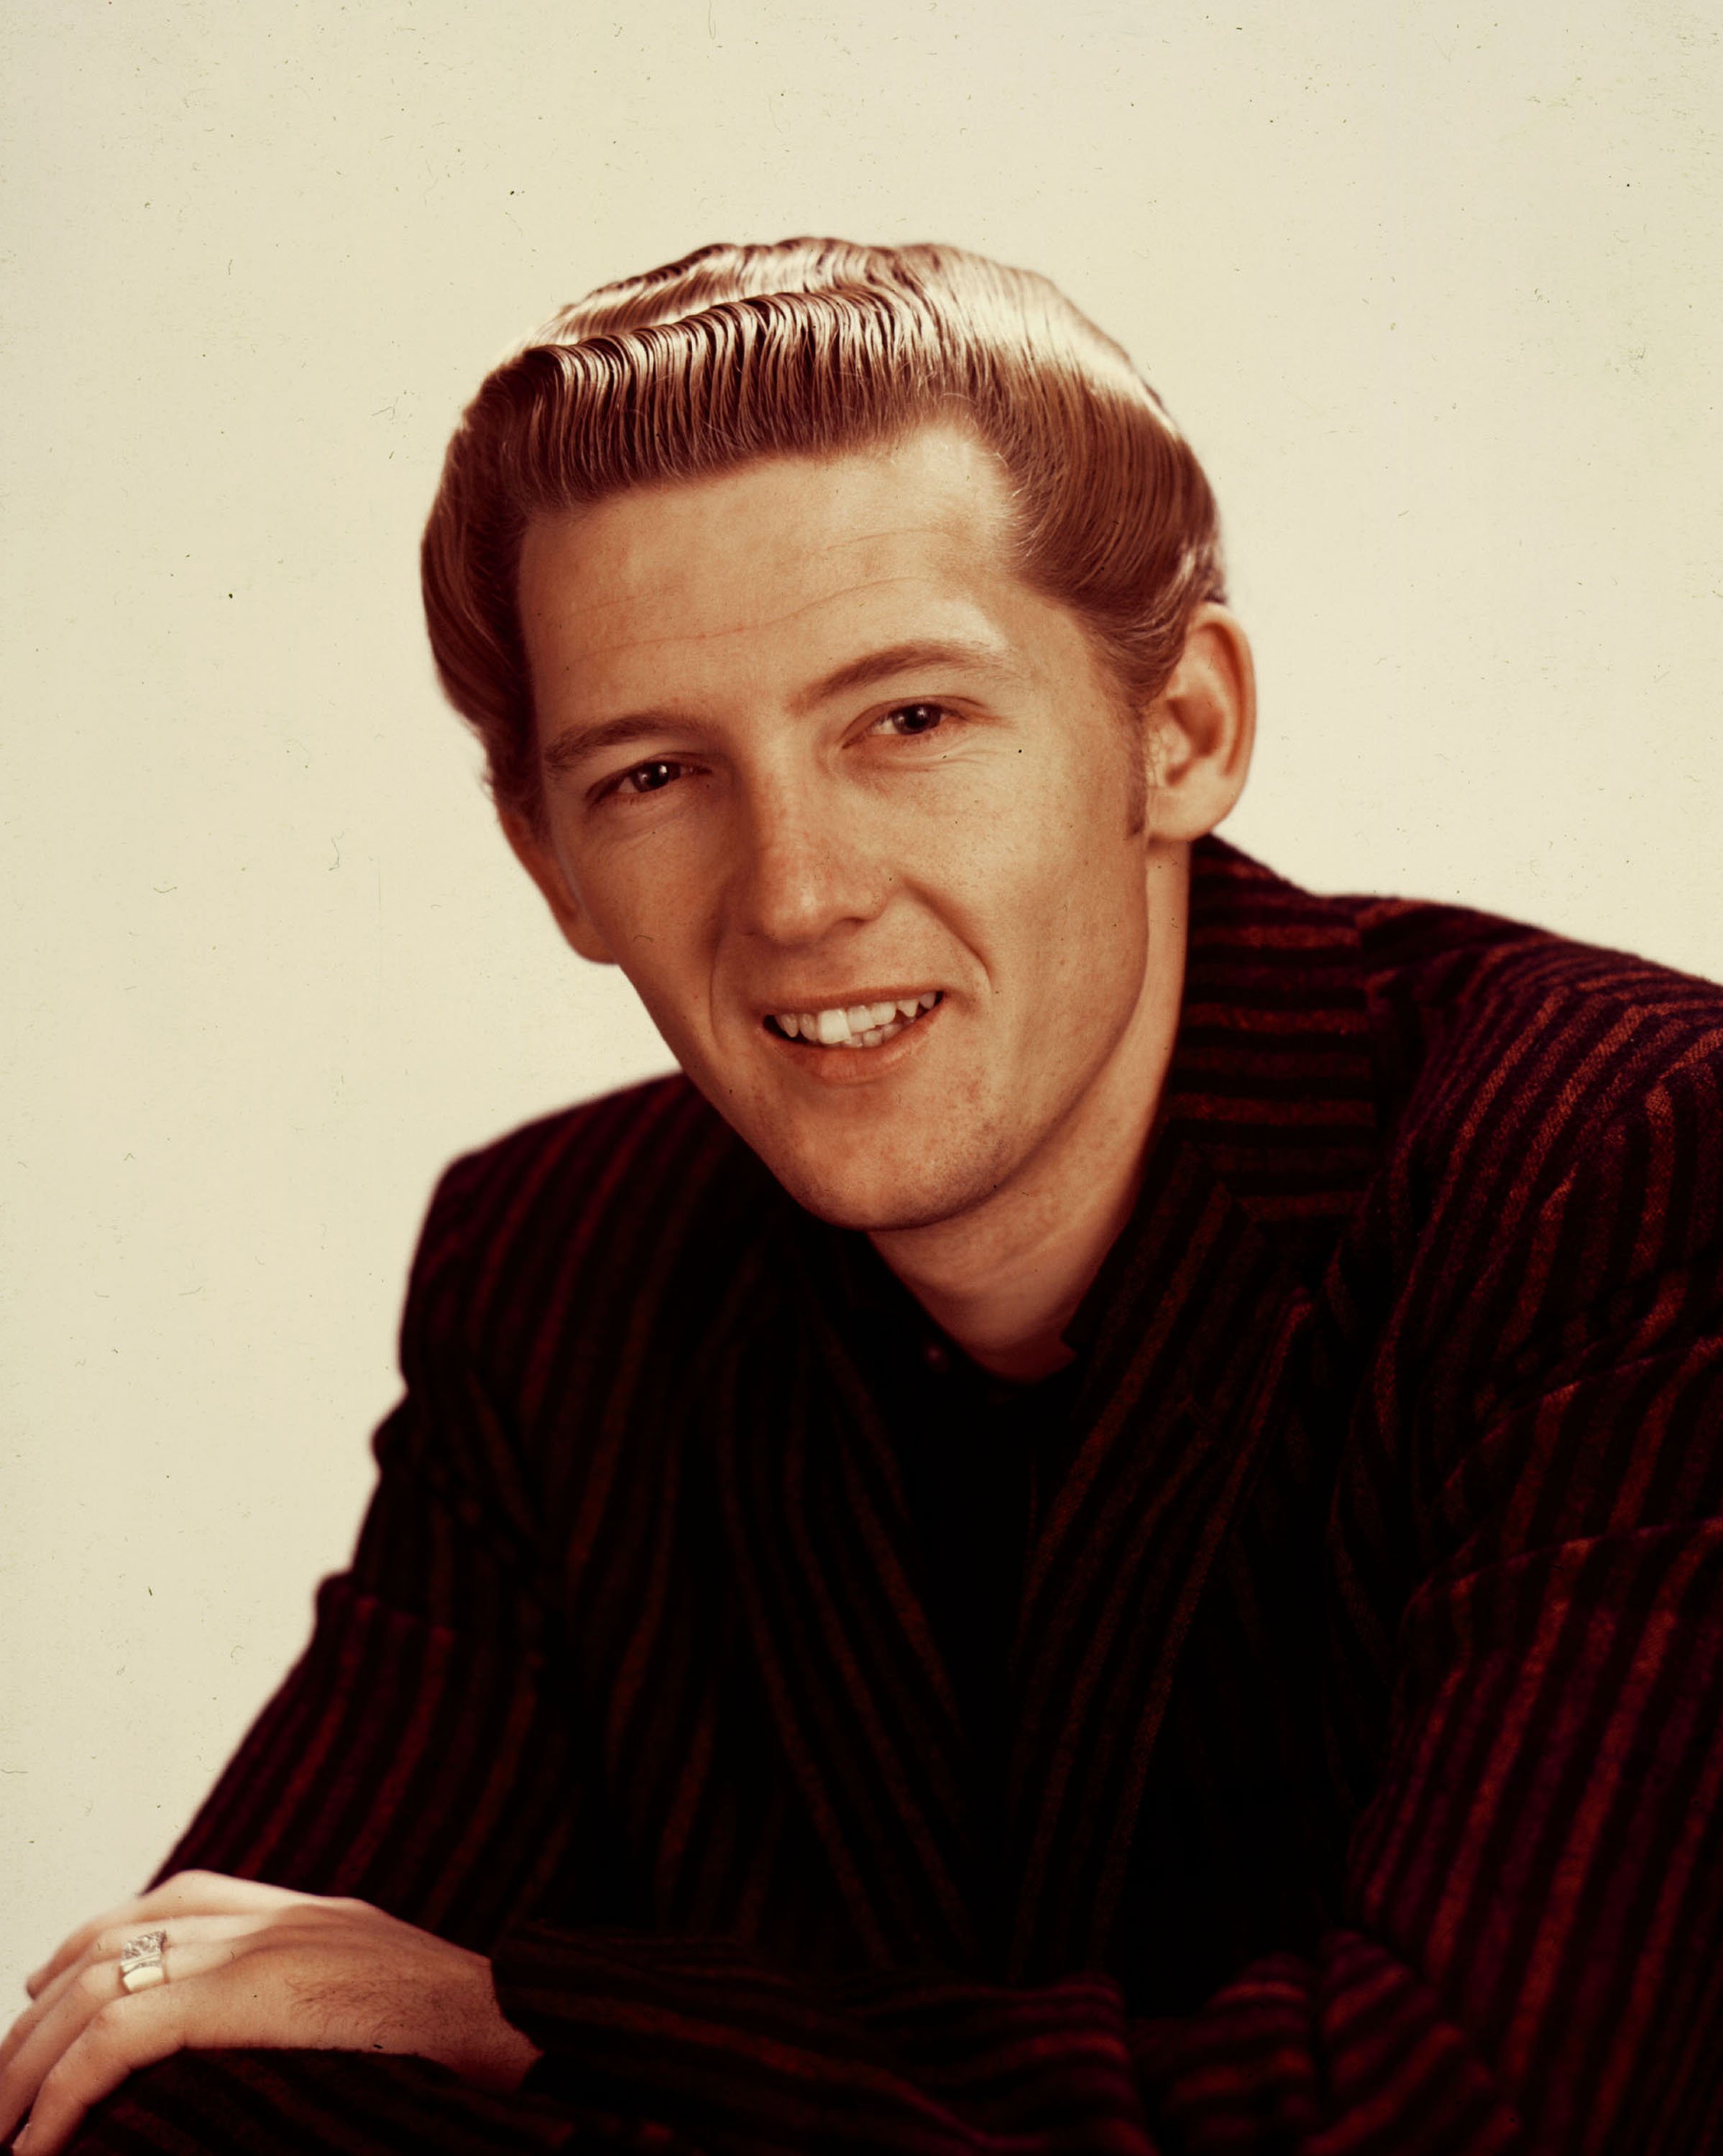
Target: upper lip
x,y
846,998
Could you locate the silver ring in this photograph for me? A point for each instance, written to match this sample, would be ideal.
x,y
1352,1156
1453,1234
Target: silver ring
x,y
140,1961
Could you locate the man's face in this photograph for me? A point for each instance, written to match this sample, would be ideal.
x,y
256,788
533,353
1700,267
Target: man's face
x,y
811,748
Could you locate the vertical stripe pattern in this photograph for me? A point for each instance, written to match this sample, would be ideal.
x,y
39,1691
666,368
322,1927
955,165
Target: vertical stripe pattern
x,y
1366,1795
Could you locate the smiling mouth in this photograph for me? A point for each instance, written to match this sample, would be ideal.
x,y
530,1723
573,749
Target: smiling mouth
x,y
856,1025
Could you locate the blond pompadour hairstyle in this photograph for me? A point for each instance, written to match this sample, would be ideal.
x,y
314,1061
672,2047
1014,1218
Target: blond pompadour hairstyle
x,y
808,347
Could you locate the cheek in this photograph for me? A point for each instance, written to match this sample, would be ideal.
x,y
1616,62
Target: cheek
x,y
1079,944
1048,890
999,844
642,890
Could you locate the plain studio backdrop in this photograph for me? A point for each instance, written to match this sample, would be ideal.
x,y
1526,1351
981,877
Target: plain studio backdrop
x,y
1434,288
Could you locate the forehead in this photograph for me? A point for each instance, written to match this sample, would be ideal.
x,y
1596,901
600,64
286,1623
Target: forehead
x,y
701,575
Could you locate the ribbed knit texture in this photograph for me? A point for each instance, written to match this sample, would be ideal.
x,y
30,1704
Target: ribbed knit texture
x,y
1366,1793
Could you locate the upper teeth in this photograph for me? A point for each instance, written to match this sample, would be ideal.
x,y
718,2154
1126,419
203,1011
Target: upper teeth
x,y
869,1024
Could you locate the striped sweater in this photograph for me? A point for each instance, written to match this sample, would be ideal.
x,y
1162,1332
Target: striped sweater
x,y
1364,1787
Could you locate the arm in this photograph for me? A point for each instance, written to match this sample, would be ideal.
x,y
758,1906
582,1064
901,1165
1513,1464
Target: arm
x,y
1532,1953
416,1761
1528,1950
415,1757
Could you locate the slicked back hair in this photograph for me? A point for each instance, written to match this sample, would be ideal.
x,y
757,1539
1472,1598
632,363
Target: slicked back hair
x,y
813,347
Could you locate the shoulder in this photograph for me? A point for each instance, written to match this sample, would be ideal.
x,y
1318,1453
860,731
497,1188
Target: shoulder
x,y
1549,1201
1451,961
568,1161
1528,1055
582,1209
1404,1057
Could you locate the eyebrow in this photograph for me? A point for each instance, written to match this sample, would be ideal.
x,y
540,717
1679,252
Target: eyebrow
x,y
576,742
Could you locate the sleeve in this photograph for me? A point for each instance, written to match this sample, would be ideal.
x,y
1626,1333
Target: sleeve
x,y
1528,1952
418,1756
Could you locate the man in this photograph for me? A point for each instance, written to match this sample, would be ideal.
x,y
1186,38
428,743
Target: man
x,y
1100,1531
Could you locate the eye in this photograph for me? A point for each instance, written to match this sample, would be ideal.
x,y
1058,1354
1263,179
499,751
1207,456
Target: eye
x,y
650,778
908,720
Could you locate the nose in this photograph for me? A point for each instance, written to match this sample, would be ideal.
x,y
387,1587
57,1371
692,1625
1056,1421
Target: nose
x,y
809,866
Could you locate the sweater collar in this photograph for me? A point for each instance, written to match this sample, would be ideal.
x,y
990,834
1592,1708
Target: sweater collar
x,y
1271,1082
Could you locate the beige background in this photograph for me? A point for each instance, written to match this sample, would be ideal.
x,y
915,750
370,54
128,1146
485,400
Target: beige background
x,y
1433,287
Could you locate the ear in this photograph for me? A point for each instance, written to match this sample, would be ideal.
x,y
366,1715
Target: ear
x,y
1201,728
538,856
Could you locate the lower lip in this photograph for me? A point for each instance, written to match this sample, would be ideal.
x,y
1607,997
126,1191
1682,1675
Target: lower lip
x,y
856,1066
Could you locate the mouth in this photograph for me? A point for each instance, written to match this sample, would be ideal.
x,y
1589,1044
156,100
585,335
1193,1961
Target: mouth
x,y
864,1025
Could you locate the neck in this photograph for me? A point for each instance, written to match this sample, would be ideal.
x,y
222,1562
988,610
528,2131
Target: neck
x,y
1004,1280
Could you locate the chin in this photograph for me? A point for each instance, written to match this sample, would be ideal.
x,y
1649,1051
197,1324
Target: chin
x,y
883,1196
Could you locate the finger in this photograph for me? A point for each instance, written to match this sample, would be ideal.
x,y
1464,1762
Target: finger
x,y
76,1943
186,1893
127,2033
93,1987
106,1948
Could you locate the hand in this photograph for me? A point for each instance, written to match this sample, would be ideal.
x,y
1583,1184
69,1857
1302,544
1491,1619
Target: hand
x,y
246,1964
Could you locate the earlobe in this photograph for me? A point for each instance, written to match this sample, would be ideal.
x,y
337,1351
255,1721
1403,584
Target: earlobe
x,y
1202,728
536,854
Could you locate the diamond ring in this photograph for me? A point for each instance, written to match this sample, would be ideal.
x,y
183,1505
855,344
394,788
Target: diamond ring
x,y
140,1961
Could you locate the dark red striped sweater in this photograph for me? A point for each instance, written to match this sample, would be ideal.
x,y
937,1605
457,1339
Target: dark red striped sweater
x,y
1366,1784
